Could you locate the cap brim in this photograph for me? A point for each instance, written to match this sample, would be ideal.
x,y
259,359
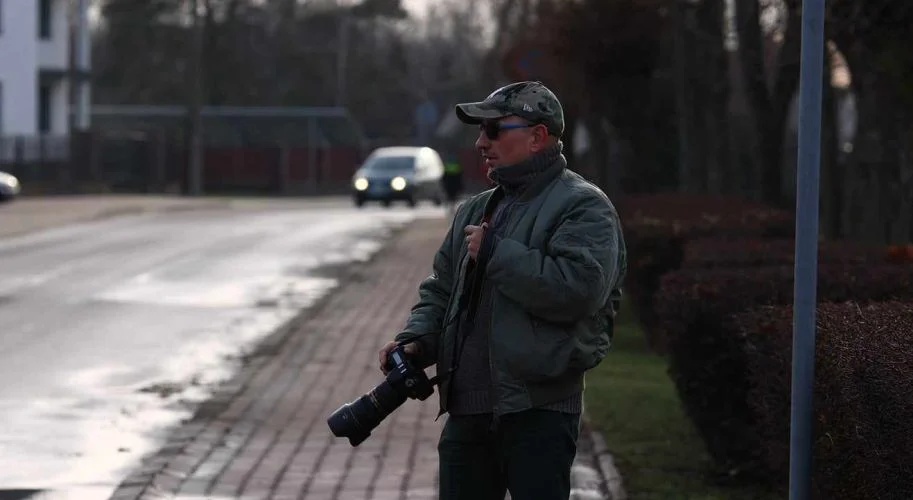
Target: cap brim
x,y
473,113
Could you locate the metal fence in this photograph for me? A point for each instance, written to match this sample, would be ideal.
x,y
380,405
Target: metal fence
x,y
144,149
255,150
37,160
150,161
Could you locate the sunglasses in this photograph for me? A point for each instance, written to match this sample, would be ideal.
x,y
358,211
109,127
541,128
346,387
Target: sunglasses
x,y
493,129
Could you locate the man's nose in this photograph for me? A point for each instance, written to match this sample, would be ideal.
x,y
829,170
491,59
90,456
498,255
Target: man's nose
x,y
482,143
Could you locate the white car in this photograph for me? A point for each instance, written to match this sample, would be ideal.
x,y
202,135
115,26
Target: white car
x,y
9,186
405,173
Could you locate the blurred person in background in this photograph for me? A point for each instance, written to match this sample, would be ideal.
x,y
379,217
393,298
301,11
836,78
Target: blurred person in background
x,y
520,304
453,183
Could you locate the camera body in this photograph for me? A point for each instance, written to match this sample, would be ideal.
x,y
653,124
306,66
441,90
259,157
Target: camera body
x,y
404,380
410,378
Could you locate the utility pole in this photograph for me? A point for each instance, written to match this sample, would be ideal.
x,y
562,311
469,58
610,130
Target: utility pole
x,y
805,289
342,54
194,104
83,47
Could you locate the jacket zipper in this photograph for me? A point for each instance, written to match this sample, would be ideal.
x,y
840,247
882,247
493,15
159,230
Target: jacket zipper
x,y
455,289
493,393
456,336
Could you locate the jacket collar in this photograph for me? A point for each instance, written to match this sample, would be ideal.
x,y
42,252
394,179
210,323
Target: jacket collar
x,y
533,189
515,178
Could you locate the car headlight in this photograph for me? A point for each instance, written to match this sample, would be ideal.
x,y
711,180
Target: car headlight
x,y
398,183
361,184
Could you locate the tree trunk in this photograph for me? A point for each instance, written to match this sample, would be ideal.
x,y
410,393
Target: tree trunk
x,y
877,154
770,108
831,177
684,99
714,85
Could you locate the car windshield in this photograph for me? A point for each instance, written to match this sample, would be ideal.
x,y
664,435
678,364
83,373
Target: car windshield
x,y
389,164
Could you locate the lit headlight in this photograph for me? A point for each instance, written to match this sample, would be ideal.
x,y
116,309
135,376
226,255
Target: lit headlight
x,y
398,183
361,184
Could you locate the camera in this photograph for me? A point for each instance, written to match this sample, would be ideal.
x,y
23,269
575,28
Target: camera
x,y
404,380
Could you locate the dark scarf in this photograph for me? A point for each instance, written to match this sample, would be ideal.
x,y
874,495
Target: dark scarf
x,y
515,177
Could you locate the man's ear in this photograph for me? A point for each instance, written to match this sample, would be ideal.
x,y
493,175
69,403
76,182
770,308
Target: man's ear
x,y
539,138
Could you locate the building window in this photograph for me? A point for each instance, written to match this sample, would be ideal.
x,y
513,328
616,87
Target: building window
x,y
45,16
44,108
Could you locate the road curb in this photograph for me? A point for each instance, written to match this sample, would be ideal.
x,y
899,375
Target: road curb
x,y
595,477
46,219
610,474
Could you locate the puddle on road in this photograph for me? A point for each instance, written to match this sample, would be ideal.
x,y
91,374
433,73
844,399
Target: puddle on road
x,y
80,446
113,418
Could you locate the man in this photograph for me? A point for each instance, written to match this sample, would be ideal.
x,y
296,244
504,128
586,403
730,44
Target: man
x,y
521,302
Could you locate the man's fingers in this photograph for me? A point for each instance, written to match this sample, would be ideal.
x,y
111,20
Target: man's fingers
x,y
384,352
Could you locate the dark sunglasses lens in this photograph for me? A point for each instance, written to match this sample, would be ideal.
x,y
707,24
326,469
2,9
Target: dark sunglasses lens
x,y
492,130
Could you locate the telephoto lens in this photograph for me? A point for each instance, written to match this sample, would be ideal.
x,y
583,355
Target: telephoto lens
x,y
357,419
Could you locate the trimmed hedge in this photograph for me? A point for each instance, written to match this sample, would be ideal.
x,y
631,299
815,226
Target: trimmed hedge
x,y
863,400
706,359
752,252
657,226
900,253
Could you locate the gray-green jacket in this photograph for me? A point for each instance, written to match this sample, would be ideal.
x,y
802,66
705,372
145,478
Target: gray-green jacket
x,y
557,275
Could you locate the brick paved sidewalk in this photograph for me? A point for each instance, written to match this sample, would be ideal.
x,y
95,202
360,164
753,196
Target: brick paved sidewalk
x,y
264,434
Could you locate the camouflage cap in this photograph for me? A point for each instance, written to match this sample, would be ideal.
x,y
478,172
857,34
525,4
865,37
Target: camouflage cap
x,y
532,101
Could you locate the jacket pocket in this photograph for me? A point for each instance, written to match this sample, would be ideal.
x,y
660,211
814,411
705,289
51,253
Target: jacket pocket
x,y
541,353
546,351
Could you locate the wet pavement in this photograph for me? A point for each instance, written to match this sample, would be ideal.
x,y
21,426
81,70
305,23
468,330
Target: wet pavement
x,y
34,213
114,330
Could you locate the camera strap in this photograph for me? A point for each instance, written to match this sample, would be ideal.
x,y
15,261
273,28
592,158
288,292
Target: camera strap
x,y
472,290
471,294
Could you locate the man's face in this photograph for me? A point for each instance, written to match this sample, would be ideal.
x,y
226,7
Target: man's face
x,y
514,140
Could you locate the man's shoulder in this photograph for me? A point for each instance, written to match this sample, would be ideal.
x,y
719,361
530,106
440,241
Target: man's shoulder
x,y
577,190
481,197
474,203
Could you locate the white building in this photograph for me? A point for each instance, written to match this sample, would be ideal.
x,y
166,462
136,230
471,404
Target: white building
x,y
35,74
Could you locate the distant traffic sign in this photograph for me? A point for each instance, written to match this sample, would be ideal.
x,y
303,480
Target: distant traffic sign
x,y
426,120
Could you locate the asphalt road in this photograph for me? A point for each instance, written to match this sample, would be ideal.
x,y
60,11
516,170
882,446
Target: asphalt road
x,y
111,330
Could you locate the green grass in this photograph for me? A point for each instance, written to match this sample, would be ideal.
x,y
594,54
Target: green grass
x,y
633,402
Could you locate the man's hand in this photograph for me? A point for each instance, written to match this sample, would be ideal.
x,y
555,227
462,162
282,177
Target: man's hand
x,y
474,236
411,349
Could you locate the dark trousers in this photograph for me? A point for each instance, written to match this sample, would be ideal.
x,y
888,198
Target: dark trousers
x,y
530,454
